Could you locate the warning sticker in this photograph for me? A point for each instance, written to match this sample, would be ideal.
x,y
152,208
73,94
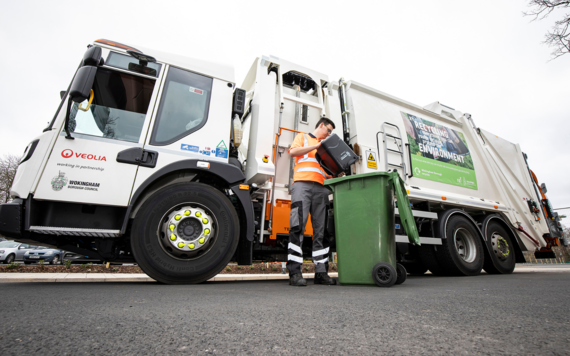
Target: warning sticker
x,y
371,160
196,90
222,144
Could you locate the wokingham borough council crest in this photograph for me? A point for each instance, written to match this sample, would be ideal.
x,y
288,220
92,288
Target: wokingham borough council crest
x,y
59,181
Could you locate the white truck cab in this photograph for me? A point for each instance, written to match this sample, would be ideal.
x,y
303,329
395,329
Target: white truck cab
x,y
132,123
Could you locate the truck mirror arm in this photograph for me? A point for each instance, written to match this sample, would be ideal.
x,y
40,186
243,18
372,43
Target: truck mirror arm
x,y
66,125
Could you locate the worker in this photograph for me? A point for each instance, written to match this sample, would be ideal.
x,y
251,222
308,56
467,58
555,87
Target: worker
x,y
308,195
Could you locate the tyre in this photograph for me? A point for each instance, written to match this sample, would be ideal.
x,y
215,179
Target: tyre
x,y
55,260
501,248
384,274
9,259
185,233
461,252
415,269
401,274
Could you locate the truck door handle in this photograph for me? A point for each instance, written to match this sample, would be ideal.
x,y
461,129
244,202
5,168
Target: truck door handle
x,y
138,156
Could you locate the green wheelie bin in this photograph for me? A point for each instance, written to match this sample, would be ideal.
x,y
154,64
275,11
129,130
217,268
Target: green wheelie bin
x,y
364,220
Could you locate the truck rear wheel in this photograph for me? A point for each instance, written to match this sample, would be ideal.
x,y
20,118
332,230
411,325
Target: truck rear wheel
x,y
185,233
461,251
501,250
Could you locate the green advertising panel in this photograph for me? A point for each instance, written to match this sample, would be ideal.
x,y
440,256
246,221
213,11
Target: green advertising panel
x,y
439,153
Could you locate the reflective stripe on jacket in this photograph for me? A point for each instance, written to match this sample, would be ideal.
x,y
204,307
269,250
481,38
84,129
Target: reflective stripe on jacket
x,y
307,167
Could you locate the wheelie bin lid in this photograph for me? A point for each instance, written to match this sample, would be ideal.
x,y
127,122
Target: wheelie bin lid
x,y
404,209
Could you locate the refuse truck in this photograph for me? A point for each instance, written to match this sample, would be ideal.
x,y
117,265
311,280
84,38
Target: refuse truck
x,y
165,161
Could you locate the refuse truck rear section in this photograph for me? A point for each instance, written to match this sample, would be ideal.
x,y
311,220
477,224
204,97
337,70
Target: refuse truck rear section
x,y
473,196
161,159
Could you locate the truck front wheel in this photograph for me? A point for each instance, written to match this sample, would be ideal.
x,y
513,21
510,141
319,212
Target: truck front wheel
x,y
185,233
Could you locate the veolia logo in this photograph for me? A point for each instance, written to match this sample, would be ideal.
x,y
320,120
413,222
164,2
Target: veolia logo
x,y
67,153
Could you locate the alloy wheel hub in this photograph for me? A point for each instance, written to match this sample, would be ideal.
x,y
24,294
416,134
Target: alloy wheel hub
x,y
465,245
500,247
188,229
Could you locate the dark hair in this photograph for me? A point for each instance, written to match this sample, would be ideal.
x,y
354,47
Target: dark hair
x,y
326,121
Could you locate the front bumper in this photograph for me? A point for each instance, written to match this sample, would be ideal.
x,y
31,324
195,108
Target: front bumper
x,y
32,258
11,218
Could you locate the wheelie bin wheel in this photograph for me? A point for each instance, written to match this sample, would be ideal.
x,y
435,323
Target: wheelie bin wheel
x,y
384,274
402,274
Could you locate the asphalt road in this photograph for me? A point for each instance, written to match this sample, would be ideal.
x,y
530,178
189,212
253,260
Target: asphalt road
x,y
523,313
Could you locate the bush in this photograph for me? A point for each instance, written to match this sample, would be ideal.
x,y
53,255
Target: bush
x,y
240,268
12,265
306,268
228,268
41,263
67,263
114,269
251,267
274,267
333,266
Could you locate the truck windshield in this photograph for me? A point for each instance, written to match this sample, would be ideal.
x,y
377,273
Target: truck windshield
x,y
118,109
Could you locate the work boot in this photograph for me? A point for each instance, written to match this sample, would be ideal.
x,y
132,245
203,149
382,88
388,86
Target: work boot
x,y
324,278
297,280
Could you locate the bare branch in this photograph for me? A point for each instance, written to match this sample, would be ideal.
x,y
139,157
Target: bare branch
x,y
8,166
559,36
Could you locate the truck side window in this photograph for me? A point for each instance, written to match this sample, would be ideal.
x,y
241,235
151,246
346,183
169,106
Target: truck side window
x,y
118,109
183,107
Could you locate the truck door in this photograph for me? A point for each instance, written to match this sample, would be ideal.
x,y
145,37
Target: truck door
x,y
88,168
191,120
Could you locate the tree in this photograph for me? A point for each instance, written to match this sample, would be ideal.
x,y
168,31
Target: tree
x,y
559,36
8,166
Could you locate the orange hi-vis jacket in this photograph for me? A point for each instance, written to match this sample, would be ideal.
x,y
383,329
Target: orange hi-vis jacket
x,y
307,168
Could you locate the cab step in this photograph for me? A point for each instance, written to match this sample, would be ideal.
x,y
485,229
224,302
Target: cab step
x,y
70,231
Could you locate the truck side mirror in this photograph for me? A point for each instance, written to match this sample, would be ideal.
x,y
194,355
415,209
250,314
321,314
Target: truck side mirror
x,y
79,91
81,87
543,187
92,57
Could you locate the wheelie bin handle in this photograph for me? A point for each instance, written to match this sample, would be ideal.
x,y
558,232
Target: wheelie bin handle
x,y
406,215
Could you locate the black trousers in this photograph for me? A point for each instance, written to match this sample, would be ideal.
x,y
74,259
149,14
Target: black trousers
x,y
308,197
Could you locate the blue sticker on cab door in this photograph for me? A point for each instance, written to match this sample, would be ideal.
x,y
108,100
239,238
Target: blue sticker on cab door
x,y
190,148
221,153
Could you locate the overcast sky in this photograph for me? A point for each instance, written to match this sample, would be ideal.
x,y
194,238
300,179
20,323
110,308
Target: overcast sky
x,y
480,57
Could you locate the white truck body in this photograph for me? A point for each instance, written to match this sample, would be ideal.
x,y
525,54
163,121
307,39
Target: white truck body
x,y
501,176
501,179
